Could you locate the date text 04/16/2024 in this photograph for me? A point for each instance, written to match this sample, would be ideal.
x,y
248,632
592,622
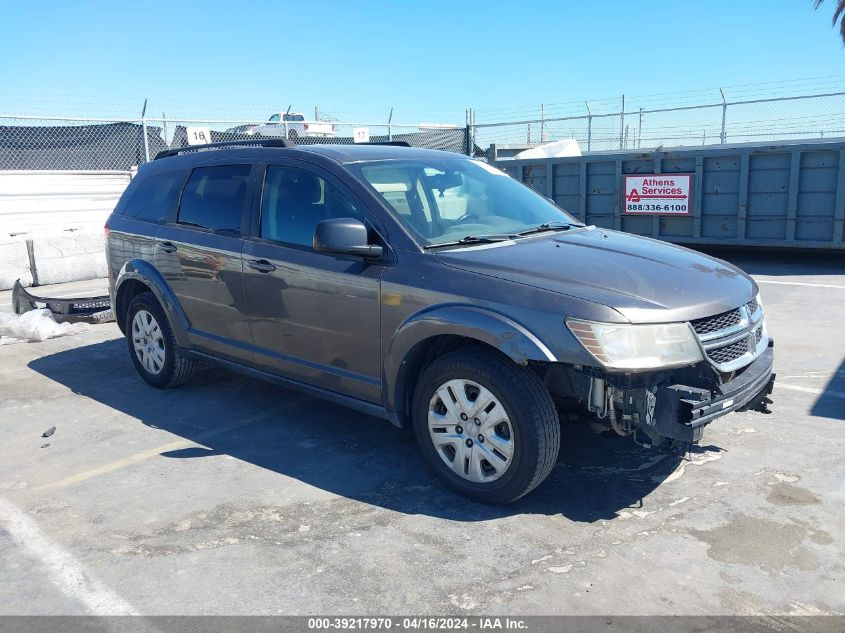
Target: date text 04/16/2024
x,y
421,623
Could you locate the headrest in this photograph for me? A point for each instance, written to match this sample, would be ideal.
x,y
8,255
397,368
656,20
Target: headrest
x,y
308,187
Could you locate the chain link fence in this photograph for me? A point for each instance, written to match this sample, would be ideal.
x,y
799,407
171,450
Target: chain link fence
x,y
34,143
61,143
810,116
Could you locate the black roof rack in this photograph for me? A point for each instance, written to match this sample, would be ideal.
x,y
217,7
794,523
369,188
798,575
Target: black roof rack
x,y
258,142
394,143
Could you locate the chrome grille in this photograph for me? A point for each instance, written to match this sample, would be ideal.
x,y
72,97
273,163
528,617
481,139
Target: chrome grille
x,y
732,339
726,354
721,321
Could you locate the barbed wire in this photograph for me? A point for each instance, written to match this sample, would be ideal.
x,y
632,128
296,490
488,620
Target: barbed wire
x,y
108,106
746,112
750,91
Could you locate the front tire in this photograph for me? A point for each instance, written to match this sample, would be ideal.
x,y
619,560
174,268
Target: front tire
x,y
152,347
487,426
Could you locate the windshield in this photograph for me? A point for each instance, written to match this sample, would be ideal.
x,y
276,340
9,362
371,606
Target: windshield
x,y
449,200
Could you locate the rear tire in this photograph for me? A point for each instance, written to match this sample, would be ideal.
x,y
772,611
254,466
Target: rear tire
x,y
152,347
486,426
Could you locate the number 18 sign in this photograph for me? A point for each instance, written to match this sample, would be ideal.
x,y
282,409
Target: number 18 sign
x,y
665,194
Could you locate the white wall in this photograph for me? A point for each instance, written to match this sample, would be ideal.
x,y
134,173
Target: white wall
x,y
51,224
54,201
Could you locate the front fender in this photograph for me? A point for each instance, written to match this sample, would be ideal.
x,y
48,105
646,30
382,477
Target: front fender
x,y
485,326
147,274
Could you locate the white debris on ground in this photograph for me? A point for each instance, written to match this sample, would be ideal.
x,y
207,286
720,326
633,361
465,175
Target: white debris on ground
x,y
34,326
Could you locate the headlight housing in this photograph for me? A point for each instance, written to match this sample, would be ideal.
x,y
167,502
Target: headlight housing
x,y
638,347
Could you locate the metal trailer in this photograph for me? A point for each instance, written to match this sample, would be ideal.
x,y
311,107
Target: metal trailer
x,y
785,194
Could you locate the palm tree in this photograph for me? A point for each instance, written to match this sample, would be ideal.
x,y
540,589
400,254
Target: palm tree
x,y
838,15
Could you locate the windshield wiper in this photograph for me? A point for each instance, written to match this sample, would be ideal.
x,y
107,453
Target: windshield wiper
x,y
546,226
472,239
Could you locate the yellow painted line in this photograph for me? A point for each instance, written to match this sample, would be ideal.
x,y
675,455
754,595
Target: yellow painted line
x,y
115,465
150,453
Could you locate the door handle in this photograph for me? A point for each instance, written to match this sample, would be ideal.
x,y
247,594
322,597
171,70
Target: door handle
x,y
167,247
261,265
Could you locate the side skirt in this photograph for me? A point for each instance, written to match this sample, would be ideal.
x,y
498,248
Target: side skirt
x,y
362,406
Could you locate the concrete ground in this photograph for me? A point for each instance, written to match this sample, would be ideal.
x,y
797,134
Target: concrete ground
x,y
231,496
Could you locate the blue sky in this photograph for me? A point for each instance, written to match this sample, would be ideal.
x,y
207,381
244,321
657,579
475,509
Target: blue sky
x,y
429,60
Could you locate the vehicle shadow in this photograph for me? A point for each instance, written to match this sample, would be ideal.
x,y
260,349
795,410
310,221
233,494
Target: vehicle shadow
x,y
345,452
831,403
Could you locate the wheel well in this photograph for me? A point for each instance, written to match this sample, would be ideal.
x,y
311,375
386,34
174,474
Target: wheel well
x,y
420,356
127,291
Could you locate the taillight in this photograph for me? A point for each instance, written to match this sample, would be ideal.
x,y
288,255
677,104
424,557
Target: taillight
x,y
306,126
106,229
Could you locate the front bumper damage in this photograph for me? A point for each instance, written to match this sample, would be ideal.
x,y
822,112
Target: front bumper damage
x,y
69,310
682,412
670,405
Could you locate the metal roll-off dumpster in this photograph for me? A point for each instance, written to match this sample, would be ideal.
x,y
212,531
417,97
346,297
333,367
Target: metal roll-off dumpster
x,y
781,194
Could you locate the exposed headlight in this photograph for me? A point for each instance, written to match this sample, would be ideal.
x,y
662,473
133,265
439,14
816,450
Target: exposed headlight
x,y
638,347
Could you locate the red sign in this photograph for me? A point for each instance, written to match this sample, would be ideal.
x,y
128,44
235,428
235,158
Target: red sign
x,y
663,194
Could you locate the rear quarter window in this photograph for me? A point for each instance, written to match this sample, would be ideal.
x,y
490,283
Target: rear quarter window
x,y
213,197
153,196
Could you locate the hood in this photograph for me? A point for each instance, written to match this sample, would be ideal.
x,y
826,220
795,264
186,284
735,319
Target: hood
x,y
646,280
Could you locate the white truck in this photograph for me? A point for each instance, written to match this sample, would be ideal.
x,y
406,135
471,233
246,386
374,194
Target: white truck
x,y
293,125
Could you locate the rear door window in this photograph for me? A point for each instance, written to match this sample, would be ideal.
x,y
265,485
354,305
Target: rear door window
x,y
153,196
214,197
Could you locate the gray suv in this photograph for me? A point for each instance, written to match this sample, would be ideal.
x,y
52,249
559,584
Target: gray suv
x,y
434,291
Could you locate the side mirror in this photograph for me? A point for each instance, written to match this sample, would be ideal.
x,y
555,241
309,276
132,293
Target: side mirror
x,y
345,236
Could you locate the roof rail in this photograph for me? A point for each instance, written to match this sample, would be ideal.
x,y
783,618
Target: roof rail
x,y
394,143
258,142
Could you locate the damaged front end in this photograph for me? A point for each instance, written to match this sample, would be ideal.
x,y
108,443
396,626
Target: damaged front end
x,y
677,405
668,381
